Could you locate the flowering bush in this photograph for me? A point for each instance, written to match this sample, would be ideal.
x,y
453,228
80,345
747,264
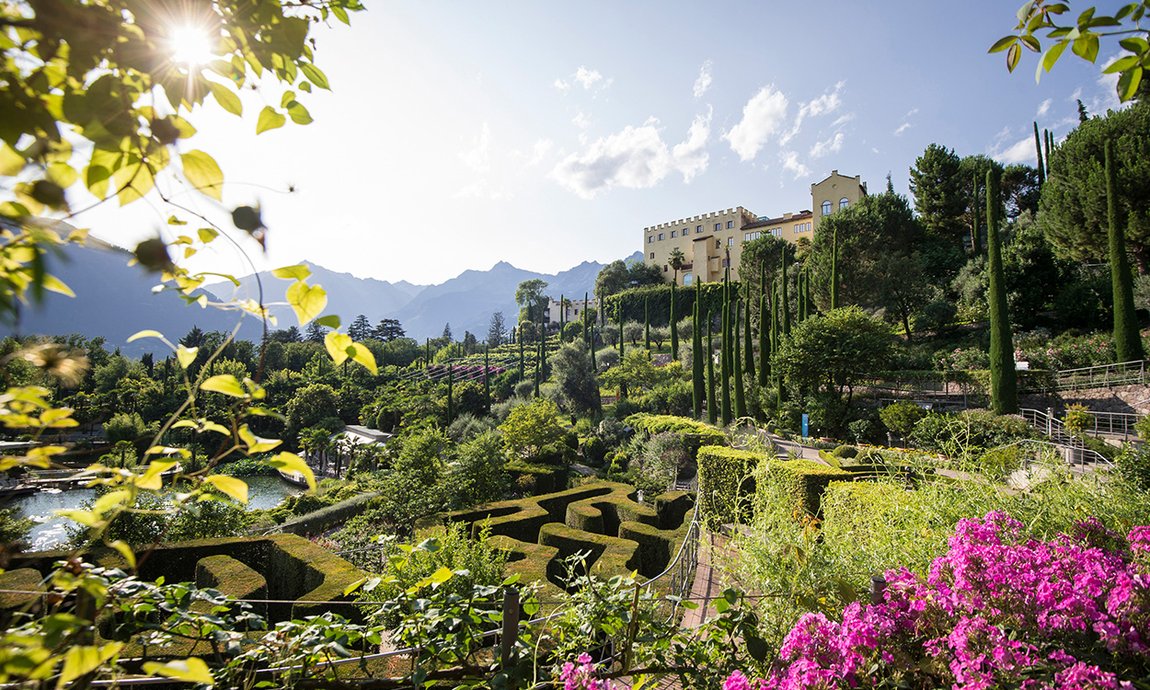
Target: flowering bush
x,y
581,675
998,610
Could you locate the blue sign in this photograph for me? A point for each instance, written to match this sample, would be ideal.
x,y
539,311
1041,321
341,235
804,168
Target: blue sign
x,y
806,425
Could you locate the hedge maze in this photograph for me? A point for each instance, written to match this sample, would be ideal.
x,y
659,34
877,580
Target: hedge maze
x,y
603,520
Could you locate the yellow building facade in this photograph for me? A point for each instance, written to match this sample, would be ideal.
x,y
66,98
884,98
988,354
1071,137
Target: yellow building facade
x,y
708,241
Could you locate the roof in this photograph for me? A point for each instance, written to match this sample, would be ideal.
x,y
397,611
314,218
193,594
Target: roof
x,y
767,222
362,435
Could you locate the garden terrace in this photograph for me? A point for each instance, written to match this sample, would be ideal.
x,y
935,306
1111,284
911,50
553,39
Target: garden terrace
x,y
602,519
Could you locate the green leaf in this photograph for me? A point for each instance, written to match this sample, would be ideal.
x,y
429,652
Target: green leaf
x,y
1052,54
269,119
227,98
190,670
206,235
1012,57
315,75
145,334
1135,45
290,462
287,97
1128,83
440,576
298,113
204,173
307,301
330,321
1086,47
186,355
1123,64
124,550
230,486
1002,44
226,384
297,272
54,284
82,660
11,162
152,478
361,355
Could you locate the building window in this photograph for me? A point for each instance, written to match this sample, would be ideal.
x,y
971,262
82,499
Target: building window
x,y
650,239
826,208
660,237
698,229
802,227
674,233
718,227
652,255
730,224
718,244
664,268
844,202
686,231
777,232
687,278
730,241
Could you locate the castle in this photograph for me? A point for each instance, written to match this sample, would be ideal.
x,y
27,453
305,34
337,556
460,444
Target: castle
x,y
710,240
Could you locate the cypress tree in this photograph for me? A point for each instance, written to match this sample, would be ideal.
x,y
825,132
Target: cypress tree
x,y
674,323
646,324
487,378
740,394
712,411
784,304
1049,145
1038,151
450,393
1003,383
976,231
427,352
562,316
1127,341
780,335
764,340
591,338
748,349
835,268
520,339
697,386
724,363
587,325
620,332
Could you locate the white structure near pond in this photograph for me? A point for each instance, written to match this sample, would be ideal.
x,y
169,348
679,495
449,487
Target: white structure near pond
x,y
342,448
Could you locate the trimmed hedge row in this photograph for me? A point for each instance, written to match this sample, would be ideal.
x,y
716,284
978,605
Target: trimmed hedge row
x,y
603,554
726,483
656,300
806,480
696,433
14,582
327,517
233,579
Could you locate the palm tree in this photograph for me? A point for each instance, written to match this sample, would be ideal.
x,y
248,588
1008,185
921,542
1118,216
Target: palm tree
x,y
676,260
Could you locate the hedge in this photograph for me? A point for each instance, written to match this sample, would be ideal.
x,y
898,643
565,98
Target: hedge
x,y
695,432
233,579
605,554
327,517
726,483
805,480
19,580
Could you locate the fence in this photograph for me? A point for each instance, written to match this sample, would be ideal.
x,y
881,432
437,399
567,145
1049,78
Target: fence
x,y
1103,376
1073,448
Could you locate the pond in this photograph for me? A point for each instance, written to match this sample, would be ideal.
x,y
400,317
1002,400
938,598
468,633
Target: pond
x,y
51,531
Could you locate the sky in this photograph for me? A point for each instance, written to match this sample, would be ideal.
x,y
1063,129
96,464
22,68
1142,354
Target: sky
x,y
460,134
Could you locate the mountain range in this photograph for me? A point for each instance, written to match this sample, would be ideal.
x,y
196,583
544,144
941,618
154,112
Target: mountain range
x,y
114,300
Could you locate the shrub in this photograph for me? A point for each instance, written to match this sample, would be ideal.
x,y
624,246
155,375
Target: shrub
x,y
467,426
696,433
533,430
1076,419
1133,465
900,417
845,452
726,483
658,462
968,433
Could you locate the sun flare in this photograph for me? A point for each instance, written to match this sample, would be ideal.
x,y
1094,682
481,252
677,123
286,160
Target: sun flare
x,y
190,45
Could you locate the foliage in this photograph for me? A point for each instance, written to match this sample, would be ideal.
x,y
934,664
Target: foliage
x,y
124,426
968,433
577,385
13,527
1076,418
726,483
1003,380
639,372
1073,206
156,518
900,417
618,276
657,299
658,463
533,430
479,473
1084,37
1133,464
532,300
937,188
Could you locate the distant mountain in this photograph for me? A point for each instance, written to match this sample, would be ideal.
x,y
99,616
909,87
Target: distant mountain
x,y
115,300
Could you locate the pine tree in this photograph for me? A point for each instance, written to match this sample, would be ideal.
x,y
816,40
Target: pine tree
x,y
712,411
1127,341
740,394
1003,383
1038,151
674,323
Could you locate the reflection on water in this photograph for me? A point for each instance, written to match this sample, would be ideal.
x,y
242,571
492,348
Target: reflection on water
x,y
51,531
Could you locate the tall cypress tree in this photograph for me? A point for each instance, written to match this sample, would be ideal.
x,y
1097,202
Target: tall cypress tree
x,y
725,360
1003,378
450,393
1127,341
1049,136
712,411
835,268
520,339
1038,152
620,331
587,325
748,348
784,303
427,352
975,230
591,340
764,340
646,324
562,316
780,334
740,394
674,323
697,385
487,378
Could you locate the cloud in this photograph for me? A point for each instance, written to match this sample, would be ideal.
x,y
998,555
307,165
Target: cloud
x,y
634,158
832,145
703,81
478,157
561,85
763,116
906,122
842,120
587,77
1021,151
792,163
581,120
823,105
1043,108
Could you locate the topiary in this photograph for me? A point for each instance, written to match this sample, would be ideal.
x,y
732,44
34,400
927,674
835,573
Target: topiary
x,y
845,451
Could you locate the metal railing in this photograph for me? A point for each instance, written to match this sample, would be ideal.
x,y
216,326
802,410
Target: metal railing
x,y
1074,448
1102,376
1114,424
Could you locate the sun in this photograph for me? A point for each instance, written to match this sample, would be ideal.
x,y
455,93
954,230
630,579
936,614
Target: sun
x,y
190,45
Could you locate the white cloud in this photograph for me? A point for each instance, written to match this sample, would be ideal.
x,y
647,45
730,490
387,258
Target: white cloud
x,y
703,81
587,77
478,157
1021,151
763,116
634,158
906,122
561,85
832,145
1043,108
842,120
792,163
823,105
581,120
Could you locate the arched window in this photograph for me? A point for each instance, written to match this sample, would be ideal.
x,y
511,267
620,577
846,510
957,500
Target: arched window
x,y
826,208
844,202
